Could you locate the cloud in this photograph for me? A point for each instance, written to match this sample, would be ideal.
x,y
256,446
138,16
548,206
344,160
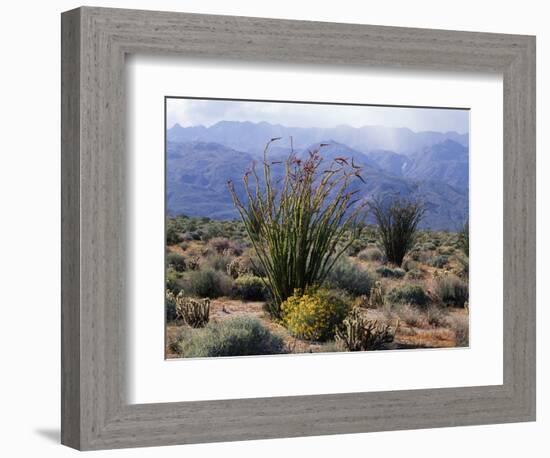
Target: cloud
x,y
192,112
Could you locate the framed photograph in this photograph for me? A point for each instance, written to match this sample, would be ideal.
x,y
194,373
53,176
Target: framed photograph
x,y
277,228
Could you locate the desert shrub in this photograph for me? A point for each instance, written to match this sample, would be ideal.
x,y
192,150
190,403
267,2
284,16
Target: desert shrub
x,y
315,314
461,327
355,248
356,333
388,272
445,250
436,316
329,347
208,283
464,262
397,226
194,313
223,245
239,336
350,277
428,246
409,264
173,280
172,236
452,290
250,263
176,261
439,261
250,288
410,315
296,224
170,307
408,294
195,235
414,274
371,254
218,261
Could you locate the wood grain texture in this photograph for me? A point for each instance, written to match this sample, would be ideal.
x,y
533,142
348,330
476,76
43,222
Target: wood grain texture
x,y
95,412
70,229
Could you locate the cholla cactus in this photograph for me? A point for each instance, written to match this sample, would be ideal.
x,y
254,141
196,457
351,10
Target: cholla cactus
x,y
356,333
193,312
376,295
236,268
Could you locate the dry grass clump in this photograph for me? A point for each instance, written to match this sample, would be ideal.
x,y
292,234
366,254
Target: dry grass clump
x,y
460,324
451,290
371,254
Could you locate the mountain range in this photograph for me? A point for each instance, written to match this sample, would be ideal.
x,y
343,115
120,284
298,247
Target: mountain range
x,y
429,166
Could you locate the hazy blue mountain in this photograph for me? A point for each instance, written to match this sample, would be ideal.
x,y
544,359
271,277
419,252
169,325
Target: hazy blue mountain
x,y
390,162
447,162
197,175
252,137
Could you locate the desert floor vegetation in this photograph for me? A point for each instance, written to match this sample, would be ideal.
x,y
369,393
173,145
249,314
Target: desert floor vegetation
x,y
420,304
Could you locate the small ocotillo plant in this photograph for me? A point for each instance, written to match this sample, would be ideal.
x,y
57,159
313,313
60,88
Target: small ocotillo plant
x,y
397,223
297,225
464,238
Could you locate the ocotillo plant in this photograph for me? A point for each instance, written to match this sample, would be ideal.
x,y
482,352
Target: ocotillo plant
x,y
464,238
397,223
297,225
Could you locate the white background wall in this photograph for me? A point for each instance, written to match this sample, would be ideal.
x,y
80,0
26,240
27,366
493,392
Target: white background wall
x,y
29,229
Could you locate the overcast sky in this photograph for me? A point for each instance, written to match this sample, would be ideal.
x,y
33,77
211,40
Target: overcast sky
x,y
187,112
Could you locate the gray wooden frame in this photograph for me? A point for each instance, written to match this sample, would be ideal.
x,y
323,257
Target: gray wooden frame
x,y
95,414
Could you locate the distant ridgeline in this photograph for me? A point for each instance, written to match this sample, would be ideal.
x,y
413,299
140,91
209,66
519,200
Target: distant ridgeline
x,y
427,166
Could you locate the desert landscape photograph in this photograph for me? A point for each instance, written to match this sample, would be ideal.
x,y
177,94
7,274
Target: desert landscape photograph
x,y
300,227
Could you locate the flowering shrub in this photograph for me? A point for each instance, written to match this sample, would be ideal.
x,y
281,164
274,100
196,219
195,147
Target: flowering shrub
x,y
315,314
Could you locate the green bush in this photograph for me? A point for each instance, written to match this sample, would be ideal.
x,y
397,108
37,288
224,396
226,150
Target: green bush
x,y
176,261
355,248
452,290
218,261
350,277
207,283
173,280
315,314
409,264
414,274
170,308
388,272
371,254
250,288
439,261
408,294
239,336
172,236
